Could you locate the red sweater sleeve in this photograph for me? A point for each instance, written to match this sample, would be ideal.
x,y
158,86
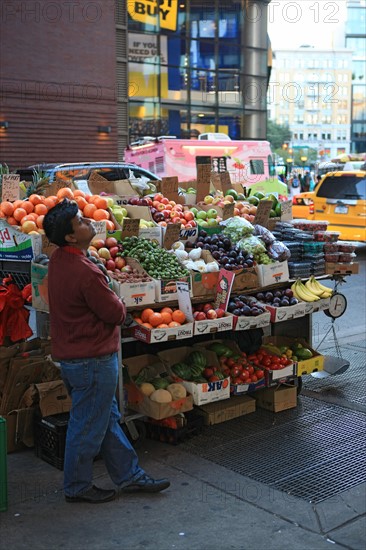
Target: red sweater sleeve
x,y
101,299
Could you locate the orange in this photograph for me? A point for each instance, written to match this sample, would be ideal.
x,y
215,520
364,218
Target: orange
x,y
51,201
166,310
92,198
12,221
28,206
7,208
40,209
29,226
174,324
36,199
79,193
17,203
146,314
162,325
81,202
65,193
19,213
178,316
89,210
39,221
110,225
29,218
166,316
101,202
147,325
155,319
2,215
138,320
101,214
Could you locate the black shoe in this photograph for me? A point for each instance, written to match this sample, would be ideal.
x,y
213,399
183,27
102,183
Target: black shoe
x,y
146,484
94,496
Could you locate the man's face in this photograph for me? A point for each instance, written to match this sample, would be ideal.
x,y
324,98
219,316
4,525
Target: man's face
x,y
84,230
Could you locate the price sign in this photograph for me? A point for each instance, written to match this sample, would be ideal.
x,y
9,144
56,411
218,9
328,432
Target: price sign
x,y
262,215
55,186
184,299
286,210
100,228
203,173
228,211
130,227
10,187
172,234
223,288
225,181
169,187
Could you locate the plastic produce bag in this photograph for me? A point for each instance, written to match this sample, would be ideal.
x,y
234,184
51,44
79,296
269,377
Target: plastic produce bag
x,y
278,251
13,315
252,245
264,233
236,228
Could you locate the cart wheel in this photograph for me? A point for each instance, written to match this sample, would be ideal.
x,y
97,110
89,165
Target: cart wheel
x,y
299,385
135,438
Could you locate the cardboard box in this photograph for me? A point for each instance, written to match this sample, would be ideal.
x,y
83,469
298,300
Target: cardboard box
x,y
121,189
240,389
286,313
246,323
280,376
342,269
141,293
154,233
139,402
18,246
202,393
270,274
211,326
166,289
319,305
245,279
21,374
204,284
156,335
19,425
277,399
306,366
215,413
39,280
53,398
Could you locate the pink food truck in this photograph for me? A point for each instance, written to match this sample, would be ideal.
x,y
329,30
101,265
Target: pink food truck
x,y
249,163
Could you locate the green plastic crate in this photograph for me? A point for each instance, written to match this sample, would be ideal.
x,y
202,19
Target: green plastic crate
x,y
3,467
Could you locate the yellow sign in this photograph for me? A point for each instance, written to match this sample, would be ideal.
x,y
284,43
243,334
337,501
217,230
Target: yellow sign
x,y
158,13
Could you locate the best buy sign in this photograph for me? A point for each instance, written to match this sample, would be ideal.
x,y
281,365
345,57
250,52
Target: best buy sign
x,y
159,13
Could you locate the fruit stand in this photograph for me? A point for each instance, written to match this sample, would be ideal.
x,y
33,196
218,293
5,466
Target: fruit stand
x,y
220,296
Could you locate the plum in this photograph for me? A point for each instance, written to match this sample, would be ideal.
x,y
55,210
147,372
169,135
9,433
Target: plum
x,y
260,296
268,297
237,312
293,301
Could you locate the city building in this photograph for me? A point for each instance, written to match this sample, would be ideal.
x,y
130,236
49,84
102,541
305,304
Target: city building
x,y
80,80
310,91
356,41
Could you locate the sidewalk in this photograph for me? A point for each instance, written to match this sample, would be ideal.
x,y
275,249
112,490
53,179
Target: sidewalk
x,y
312,493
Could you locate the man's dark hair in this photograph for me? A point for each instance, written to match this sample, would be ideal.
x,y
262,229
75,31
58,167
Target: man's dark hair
x,y
57,222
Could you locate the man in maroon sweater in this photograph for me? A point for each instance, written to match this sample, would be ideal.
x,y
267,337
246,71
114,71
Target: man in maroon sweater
x,y
85,315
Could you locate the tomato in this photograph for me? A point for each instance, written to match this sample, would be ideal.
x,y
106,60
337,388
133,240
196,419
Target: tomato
x,y
283,361
234,372
226,372
237,381
230,362
244,375
266,362
213,379
254,378
275,359
259,374
207,373
252,357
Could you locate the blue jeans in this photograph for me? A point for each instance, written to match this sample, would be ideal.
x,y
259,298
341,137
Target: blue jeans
x,y
94,425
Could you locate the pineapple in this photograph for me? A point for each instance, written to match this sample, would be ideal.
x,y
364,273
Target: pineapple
x,y
39,184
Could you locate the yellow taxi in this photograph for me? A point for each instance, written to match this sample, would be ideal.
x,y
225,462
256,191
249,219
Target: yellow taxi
x,y
340,199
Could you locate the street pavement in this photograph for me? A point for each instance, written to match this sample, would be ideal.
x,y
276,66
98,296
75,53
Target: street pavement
x,y
210,506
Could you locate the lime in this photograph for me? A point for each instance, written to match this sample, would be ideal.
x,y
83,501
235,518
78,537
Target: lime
x,y
253,200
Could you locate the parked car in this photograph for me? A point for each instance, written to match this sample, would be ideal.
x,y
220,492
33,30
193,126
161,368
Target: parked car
x,y
340,199
79,172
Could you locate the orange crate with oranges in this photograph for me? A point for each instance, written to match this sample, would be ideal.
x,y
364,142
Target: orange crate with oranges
x,y
161,325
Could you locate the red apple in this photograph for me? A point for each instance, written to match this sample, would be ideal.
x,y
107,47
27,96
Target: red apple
x,y
207,306
110,265
211,314
114,251
220,313
201,316
120,262
126,269
98,243
111,242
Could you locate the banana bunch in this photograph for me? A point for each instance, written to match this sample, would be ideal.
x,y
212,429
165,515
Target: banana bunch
x,y
301,292
318,289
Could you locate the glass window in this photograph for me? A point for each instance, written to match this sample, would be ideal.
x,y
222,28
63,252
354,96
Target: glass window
x,y
202,54
229,19
230,122
229,56
343,187
256,167
202,21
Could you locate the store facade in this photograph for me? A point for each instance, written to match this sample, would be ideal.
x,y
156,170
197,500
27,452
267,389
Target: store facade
x,y
197,67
